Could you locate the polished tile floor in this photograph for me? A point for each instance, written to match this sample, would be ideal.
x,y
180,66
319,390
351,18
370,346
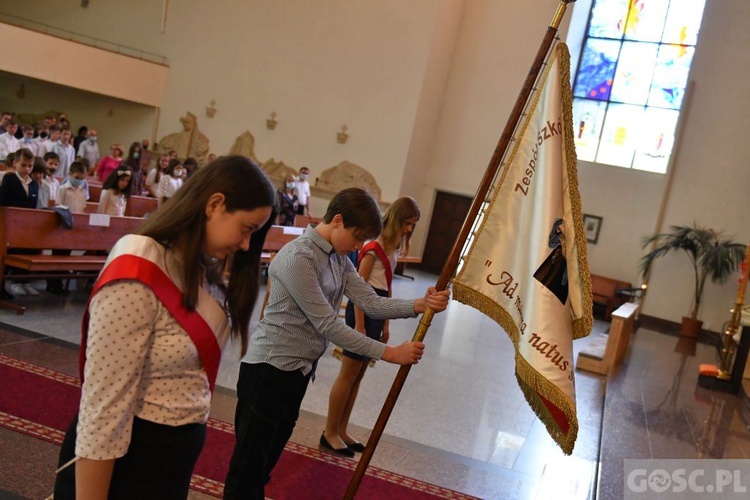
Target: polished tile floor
x,y
461,421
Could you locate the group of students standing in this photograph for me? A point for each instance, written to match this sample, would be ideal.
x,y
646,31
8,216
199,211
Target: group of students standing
x,y
53,139
164,307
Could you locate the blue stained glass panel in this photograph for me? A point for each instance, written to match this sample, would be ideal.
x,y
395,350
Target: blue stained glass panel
x,y
635,69
670,76
683,22
597,69
588,118
608,18
656,140
646,20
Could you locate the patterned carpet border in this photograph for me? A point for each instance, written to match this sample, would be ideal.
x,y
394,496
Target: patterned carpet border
x,y
200,483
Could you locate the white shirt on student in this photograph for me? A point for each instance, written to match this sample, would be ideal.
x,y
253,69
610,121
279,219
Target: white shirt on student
x,y
8,144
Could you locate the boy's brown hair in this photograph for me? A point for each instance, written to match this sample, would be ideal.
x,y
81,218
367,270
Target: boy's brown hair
x,y
359,210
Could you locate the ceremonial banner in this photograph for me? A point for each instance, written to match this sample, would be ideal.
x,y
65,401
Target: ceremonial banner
x,y
527,265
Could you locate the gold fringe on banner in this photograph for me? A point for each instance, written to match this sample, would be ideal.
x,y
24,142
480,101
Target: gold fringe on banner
x,y
581,326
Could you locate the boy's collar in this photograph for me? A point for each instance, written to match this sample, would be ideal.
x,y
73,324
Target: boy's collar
x,y
319,240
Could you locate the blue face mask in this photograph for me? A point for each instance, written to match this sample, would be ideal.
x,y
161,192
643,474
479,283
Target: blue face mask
x,y
136,155
290,185
75,182
92,139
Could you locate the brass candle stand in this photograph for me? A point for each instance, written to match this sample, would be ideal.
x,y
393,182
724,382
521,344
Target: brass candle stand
x,y
728,376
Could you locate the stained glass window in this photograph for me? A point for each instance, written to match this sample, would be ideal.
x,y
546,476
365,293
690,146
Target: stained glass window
x,y
631,80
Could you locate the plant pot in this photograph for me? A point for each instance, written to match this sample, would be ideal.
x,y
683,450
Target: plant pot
x,y
690,327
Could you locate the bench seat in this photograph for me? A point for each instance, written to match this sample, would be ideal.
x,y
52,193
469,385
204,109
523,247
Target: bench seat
x,y
50,263
37,230
604,294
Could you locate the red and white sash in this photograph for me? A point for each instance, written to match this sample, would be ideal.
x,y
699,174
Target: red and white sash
x,y
140,258
375,246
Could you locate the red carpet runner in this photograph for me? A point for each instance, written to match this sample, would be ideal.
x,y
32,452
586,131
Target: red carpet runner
x,y
41,403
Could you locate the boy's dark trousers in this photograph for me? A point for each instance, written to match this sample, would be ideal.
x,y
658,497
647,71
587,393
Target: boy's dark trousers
x,y
267,409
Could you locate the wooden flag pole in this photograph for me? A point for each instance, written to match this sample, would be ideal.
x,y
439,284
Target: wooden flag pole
x,y
455,255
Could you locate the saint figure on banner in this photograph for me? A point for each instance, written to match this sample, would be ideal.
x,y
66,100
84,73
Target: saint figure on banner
x,y
553,273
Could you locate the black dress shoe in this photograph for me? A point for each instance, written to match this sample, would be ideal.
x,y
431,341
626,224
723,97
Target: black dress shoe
x,y
345,452
358,447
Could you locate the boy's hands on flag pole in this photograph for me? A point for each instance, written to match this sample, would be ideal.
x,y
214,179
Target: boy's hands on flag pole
x,y
437,301
408,353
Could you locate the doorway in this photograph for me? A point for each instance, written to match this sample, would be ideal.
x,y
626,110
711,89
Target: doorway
x,y
448,216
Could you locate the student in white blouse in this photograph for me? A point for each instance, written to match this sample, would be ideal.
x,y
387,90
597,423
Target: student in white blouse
x,y
115,192
159,315
171,181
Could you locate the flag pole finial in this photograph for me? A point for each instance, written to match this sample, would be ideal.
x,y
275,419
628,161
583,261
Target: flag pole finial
x,y
559,13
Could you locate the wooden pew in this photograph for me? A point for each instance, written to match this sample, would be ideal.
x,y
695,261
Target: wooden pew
x,y
95,193
604,294
278,236
22,228
140,206
603,354
304,220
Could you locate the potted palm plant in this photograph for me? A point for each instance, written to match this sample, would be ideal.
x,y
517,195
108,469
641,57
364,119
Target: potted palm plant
x,y
711,255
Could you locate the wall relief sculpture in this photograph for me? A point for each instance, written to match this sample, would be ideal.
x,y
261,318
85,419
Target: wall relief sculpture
x,y
277,171
345,175
330,181
189,142
244,145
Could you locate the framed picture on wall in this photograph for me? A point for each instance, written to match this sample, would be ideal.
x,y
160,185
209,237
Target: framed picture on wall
x,y
592,224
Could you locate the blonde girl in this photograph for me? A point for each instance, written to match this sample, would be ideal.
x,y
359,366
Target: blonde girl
x,y
376,263
154,176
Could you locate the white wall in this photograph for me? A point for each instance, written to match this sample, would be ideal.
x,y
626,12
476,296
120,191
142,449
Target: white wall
x,y
82,67
712,174
389,68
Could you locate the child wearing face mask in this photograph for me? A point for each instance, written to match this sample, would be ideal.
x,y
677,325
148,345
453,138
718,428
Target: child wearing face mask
x,y
27,141
171,181
302,190
287,202
72,193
